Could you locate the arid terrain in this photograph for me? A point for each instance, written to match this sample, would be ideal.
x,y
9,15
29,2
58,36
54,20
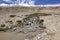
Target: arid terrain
x,y
51,22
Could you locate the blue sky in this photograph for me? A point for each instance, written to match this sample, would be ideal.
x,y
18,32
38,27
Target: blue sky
x,y
37,2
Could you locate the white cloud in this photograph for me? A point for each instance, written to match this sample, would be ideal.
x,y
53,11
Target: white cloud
x,y
49,5
27,4
7,0
3,4
31,2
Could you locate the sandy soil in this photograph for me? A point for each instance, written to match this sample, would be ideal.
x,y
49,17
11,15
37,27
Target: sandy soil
x,y
52,22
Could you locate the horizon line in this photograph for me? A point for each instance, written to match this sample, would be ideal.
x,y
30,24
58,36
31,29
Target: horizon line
x,y
27,5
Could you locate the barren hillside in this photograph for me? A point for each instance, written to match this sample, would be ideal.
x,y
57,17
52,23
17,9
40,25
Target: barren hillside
x,y
52,22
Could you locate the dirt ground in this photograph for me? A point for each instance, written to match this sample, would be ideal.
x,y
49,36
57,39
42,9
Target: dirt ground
x,y
52,22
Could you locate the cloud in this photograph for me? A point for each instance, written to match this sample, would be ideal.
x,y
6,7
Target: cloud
x,y
48,5
26,3
7,0
32,2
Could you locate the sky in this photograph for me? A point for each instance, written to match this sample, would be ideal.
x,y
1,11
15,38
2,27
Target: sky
x,y
35,2
43,2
